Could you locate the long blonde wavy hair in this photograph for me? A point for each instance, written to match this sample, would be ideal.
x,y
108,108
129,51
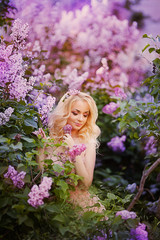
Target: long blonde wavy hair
x,y
58,118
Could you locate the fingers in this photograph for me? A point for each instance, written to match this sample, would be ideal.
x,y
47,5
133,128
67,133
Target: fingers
x,y
68,139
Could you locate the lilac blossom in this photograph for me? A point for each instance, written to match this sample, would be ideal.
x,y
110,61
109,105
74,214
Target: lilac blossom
x,y
67,129
125,214
111,108
150,147
15,176
73,80
44,104
76,150
120,93
19,33
139,233
38,193
131,187
12,70
4,117
86,31
116,144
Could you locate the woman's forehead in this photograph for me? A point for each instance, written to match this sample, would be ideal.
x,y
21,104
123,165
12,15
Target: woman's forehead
x,y
81,105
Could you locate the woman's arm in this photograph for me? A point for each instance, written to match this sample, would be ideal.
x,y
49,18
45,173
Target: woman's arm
x,y
84,168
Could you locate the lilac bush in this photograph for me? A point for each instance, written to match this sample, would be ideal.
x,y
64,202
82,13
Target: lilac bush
x,y
12,67
80,40
125,214
111,108
67,129
17,178
76,150
4,117
150,147
139,233
117,143
38,193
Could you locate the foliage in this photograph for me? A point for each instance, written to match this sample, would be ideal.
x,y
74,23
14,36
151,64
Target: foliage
x,y
5,9
57,218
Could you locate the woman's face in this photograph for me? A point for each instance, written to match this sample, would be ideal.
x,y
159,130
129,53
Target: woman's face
x,y
78,115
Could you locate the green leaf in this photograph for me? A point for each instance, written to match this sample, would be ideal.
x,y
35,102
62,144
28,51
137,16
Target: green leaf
x,y
63,185
158,51
30,123
18,146
122,124
4,148
111,196
53,208
29,222
29,140
63,229
145,47
3,169
57,168
134,124
151,50
4,201
3,139
145,36
60,218
21,219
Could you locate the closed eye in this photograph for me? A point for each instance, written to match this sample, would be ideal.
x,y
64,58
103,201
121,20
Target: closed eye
x,y
74,113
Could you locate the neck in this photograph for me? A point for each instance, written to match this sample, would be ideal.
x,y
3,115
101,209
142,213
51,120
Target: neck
x,y
74,134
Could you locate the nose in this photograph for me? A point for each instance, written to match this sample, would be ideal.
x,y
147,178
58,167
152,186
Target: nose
x,y
80,117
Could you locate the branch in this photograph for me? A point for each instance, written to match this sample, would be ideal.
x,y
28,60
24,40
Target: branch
x,y
142,182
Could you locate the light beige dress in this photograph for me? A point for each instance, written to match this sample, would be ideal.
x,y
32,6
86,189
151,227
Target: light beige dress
x,y
80,196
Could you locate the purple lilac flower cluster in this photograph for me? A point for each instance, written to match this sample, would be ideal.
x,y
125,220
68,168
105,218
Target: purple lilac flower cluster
x,y
150,147
19,33
117,144
111,108
139,233
44,104
15,176
4,117
120,93
37,194
12,67
73,79
67,129
71,92
131,187
125,214
86,30
76,150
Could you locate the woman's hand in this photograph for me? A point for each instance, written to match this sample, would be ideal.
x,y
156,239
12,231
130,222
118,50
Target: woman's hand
x,y
67,138
41,133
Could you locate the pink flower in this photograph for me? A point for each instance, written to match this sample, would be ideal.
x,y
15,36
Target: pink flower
x,y
120,93
110,108
19,32
125,214
4,117
67,129
116,144
37,194
15,176
140,233
150,147
76,150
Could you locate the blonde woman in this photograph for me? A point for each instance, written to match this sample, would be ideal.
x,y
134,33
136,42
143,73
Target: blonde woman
x,y
78,110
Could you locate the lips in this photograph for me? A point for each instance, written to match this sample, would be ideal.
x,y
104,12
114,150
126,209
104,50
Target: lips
x,y
78,124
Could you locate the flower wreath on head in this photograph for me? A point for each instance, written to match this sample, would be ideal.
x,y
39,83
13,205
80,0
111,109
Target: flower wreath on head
x,y
71,92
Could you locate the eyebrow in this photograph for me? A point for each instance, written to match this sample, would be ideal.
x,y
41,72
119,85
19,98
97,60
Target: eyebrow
x,y
79,111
